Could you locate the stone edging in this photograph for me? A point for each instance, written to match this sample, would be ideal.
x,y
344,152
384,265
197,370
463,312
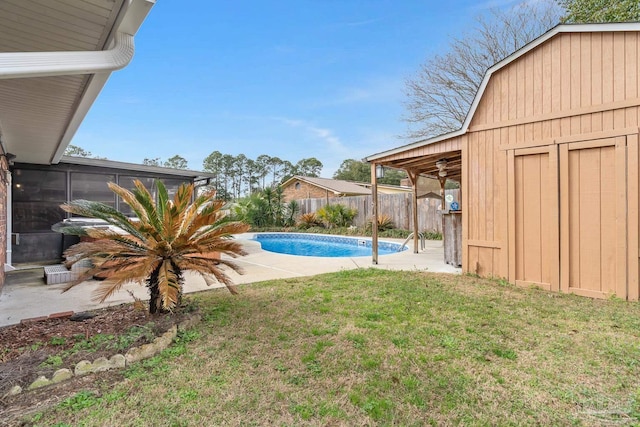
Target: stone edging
x,y
117,361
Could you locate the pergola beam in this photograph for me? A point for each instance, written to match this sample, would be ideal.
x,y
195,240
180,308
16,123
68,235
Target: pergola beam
x,y
413,177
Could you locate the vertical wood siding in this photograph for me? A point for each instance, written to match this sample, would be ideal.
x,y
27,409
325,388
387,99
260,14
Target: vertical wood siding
x,y
574,87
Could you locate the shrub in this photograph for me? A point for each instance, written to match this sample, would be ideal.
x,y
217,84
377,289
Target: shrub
x,y
309,220
292,208
336,215
384,223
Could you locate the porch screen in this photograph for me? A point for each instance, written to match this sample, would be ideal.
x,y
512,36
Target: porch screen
x,y
37,196
93,187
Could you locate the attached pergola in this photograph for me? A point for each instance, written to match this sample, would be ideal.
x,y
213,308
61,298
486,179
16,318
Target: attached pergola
x,y
439,158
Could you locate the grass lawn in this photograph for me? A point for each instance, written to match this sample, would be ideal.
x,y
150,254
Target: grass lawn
x,y
374,347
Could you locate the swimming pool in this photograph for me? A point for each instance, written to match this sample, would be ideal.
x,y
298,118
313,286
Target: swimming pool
x,y
322,245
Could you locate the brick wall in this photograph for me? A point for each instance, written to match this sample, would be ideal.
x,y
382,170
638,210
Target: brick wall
x,y
297,190
4,166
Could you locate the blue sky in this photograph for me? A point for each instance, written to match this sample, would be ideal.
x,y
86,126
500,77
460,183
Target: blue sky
x,y
293,79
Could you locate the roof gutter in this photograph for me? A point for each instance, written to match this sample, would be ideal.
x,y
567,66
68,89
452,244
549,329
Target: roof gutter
x,y
15,65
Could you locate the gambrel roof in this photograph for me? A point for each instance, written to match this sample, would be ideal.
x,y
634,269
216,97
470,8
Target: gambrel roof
x,y
452,136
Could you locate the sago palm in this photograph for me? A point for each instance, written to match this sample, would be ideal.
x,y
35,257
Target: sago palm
x,y
166,239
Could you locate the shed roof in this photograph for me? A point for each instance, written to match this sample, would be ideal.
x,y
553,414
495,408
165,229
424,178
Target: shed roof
x,y
441,144
334,185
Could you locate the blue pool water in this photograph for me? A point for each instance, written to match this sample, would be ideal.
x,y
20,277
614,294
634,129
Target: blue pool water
x,y
322,246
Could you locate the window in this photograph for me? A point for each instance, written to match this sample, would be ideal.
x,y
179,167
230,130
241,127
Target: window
x,y
297,186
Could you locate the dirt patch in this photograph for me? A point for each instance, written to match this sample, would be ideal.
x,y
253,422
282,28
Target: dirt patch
x,y
30,350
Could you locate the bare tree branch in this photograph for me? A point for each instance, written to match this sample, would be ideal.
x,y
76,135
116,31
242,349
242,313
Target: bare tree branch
x,y
440,94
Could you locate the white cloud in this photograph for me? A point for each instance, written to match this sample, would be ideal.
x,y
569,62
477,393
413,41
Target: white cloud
x,y
330,139
373,90
324,135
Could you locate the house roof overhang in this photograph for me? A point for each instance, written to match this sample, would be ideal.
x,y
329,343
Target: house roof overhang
x,y
337,187
132,168
421,156
54,61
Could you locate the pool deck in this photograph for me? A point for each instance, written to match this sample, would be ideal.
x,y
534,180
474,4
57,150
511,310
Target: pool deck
x,y
25,295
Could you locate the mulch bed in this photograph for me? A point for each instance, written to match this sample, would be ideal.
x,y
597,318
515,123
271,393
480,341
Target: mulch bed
x,y
25,348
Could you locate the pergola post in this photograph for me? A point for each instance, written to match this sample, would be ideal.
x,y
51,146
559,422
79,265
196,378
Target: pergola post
x,y
374,221
443,181
413,177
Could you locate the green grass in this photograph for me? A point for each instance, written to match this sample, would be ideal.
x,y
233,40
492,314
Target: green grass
x,y
373,347
97,342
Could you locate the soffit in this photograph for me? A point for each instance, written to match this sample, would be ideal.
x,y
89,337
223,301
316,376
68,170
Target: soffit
x,y
35,112
426,164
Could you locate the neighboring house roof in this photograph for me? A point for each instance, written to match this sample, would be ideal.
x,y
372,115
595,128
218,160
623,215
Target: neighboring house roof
x,y
565,28
55,58
336,186
134,167
388,188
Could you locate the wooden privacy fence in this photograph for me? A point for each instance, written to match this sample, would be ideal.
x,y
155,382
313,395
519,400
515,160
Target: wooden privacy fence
x,y
396,206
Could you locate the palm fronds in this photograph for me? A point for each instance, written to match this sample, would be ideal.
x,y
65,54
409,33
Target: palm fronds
x,y
167,236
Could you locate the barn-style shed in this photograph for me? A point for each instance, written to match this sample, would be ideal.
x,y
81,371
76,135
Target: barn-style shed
x,y
547,159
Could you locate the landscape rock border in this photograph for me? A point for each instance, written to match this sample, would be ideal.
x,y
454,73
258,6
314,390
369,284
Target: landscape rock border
x,y
117,361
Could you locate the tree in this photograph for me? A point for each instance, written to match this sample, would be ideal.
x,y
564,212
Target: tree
x,y
228,174
585,11
166,239
440,94
309,167
263,163
176,162
275,164
152,162
239,171
213,163
253,178
359,171
392,176
74,150
287,171
353,170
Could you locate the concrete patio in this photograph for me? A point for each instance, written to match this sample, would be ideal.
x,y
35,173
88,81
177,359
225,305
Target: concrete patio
x,y
25,294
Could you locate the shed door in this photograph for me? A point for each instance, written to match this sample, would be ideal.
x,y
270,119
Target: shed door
x,y
593,219
533,223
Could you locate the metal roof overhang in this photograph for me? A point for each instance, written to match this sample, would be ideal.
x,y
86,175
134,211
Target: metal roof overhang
x,y
132,167
55,58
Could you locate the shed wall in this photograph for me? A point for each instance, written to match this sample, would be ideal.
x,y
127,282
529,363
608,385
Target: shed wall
x,y
573,88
